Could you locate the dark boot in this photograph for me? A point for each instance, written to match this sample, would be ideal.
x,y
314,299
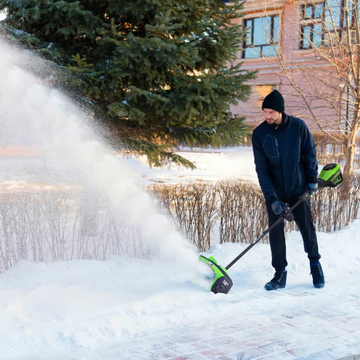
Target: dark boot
x,y
277,282
317,275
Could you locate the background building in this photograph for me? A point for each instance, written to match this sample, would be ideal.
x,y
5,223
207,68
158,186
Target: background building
x,y
293,45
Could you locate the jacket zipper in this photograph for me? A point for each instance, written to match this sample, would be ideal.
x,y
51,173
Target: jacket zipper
x,y
277,147
283,163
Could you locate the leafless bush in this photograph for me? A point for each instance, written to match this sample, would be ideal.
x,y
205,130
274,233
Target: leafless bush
x,y
242,211
335,208
63,225
237,209
193,207
33,227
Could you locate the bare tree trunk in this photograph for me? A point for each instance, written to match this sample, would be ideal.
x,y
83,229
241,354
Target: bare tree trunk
x,y
351,149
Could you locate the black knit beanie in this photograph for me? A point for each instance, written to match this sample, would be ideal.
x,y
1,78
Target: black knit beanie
x,y
274,101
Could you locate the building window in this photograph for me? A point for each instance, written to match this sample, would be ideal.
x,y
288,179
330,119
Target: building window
x,y
311,25
321,21
259,93
261,36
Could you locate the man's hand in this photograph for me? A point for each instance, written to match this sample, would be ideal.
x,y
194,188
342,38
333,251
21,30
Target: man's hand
x,y
278,207
282,209
312,188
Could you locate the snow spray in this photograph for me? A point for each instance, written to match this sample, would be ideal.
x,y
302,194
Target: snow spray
x,y
36,116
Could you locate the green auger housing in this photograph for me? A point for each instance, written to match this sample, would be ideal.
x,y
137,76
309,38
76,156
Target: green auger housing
x,y
222,283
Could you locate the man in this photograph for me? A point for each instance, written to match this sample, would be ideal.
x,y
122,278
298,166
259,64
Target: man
x,y
286,165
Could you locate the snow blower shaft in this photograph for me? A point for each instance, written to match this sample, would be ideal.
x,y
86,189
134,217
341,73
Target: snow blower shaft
x,y
330,176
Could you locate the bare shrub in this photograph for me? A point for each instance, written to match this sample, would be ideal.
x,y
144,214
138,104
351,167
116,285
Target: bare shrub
x,y
33,227
237,209
193,207
63,225
335,208
242,211
100,228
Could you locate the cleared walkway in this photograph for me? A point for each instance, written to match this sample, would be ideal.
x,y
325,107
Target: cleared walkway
x,y
329,332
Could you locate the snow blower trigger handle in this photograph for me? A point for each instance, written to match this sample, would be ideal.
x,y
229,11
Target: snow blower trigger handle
x,y
287,214
330,176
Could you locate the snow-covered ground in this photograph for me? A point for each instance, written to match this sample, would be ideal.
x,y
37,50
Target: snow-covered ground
x,y
19,171
80,308
211,165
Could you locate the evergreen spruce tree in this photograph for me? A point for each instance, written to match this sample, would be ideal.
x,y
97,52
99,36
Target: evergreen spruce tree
x,y
158,72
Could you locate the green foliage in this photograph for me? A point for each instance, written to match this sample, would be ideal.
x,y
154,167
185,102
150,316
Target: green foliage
x,y
80,62
157,72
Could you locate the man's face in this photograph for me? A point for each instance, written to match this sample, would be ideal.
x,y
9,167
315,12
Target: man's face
x,y
272,116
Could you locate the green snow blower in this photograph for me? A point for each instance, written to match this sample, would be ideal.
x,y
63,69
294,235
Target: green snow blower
x,y
330,176
218,277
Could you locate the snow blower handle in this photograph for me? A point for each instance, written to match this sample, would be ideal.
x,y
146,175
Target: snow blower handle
x,y
276,223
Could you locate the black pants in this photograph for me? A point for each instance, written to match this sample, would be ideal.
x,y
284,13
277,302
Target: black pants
x,y
305,222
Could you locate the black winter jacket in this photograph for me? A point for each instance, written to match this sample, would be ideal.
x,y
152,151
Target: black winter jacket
x,y
285,158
